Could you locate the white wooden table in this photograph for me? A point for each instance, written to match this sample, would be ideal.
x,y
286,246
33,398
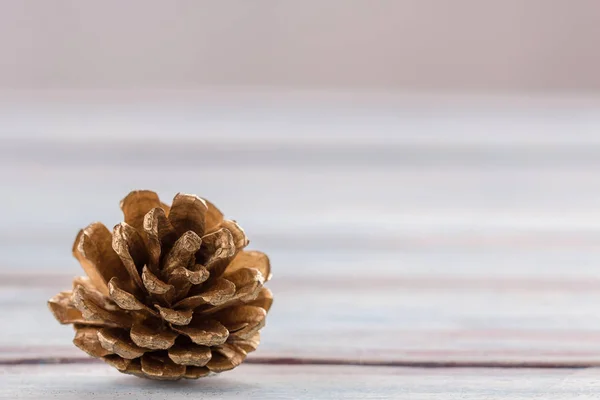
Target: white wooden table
x,y
437,250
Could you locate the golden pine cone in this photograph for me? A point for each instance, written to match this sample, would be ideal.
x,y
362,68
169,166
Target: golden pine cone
x,y
170,293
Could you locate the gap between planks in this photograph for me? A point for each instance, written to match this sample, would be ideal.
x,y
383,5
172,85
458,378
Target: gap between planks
x,y
339,362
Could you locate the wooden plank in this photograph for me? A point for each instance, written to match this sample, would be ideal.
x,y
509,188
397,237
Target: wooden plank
x,y
464,221
302,382
383,318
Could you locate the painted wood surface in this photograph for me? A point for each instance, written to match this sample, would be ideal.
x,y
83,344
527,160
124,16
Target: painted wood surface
x,y
303,382
436,248
392,319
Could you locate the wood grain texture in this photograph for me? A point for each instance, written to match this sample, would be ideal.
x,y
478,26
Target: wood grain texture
x,y
478,221
303,382
383,319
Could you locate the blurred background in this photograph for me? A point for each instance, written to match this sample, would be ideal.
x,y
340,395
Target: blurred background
x,y
389,45
426,141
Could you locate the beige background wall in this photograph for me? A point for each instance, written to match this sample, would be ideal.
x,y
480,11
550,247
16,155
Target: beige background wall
x,y
480,45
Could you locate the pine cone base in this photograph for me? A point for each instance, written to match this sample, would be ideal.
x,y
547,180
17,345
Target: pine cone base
x,y
170,293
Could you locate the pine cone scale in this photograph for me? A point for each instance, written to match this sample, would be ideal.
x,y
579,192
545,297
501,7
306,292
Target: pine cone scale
x,y
192,355
175,317
86,338
251,259
128,245
217,251
188,213
192,372
126,300
226,357
150,334
117,341
97,309
264,299
118,362
93,249
214,217
161,367
205,332
160,236
156,287
136,205
220,291
63,309
182,276
242,321
181,253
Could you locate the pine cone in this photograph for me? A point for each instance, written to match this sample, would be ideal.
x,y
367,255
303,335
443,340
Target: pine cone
x,y
170,293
